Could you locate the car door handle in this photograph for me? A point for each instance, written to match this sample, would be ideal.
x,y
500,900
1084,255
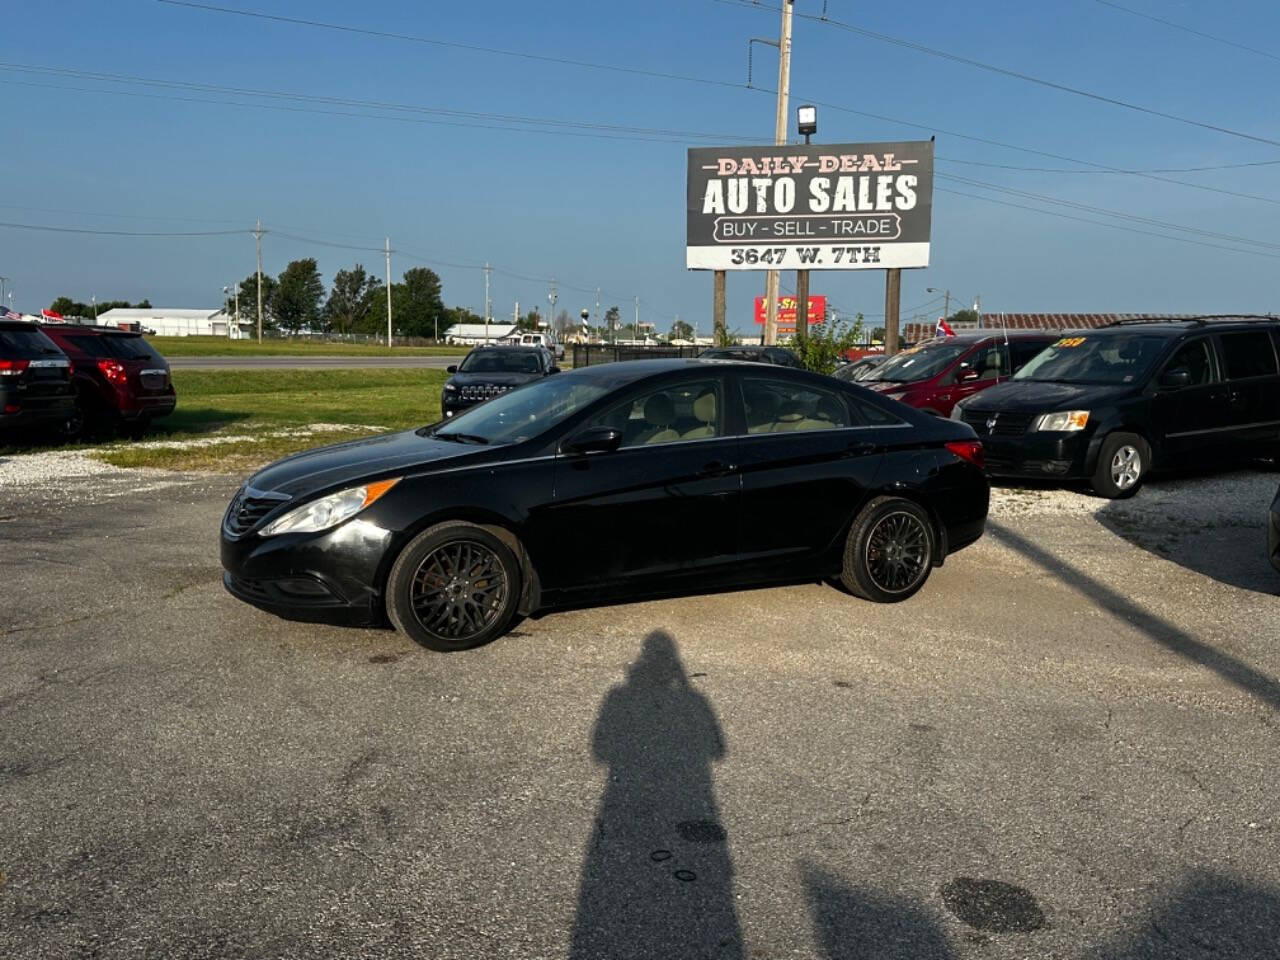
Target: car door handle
x,y
716,468
860,448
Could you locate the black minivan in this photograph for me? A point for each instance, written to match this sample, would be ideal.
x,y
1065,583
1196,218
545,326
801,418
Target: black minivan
x,y
36,394
1108,405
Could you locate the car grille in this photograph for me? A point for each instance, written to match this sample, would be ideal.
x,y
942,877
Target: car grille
x,y
482,391
1005,425
246,511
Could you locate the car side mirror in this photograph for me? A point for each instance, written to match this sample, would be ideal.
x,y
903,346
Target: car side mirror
x,y
553,370
968,373
593,440
1176,379
452,368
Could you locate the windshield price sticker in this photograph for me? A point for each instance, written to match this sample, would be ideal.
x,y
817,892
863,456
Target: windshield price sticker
x,y
846,206
1070,342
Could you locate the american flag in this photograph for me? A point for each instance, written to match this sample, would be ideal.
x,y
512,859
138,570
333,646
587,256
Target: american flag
x,y
7,314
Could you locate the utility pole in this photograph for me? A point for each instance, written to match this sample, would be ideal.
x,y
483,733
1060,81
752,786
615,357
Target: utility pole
x,y
552,296
516,314
3,281
237,316
94,298
598,317
779,138
977,308
258,234
387,250
635,329
719,335
487,306
892,301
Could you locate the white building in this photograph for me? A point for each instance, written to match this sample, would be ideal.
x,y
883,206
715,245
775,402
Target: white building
x,y
473,333
169,322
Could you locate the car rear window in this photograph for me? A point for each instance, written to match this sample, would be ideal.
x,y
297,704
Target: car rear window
x,y
1248,354
26,344
112,346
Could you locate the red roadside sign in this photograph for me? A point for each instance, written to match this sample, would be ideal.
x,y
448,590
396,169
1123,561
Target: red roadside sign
x,y
787,311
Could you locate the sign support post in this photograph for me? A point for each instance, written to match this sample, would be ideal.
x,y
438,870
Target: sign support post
x,y
719,333
892,302
802,306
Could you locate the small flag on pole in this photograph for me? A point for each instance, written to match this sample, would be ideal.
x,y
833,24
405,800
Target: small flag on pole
x,y
944,328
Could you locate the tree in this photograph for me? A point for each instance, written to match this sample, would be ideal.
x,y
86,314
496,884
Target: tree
x,y
416,305
298,293
681,331
825,342
67,307
967,315
563,323
350,302
612,319
877,333
530,321
249,300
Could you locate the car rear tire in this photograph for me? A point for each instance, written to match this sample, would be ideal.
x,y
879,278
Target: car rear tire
x,y
889,551
453,587
1123,463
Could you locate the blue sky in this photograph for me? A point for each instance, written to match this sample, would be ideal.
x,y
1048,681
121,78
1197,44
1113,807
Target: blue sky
x,y
609,212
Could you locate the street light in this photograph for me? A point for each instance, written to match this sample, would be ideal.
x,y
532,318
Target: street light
x,y
946,305
807,117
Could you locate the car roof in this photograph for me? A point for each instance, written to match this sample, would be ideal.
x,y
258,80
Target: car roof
x,y
1168,327
80,328
973,336
18,325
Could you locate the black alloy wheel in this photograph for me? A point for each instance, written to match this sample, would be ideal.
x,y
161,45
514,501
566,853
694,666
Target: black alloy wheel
x,y
890,550
453,587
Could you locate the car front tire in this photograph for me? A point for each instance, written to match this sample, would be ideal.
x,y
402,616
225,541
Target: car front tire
x,y
453,587
1123,463
889,551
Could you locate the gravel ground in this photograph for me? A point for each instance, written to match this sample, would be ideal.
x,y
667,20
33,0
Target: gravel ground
x,y
1064,746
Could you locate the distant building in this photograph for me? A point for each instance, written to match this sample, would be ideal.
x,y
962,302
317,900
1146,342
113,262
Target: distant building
x,y
474,333
168,322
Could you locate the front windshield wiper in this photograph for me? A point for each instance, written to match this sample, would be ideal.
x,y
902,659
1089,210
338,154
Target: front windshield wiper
x,y
463,437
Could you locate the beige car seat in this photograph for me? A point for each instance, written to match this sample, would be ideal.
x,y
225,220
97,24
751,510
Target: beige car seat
x,y
762,408
659,412
704,409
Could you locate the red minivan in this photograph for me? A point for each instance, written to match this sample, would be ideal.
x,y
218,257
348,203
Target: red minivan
x,y
121,382
935,375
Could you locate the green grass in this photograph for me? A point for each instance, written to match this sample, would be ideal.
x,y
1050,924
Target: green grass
x,y
259,412
294,347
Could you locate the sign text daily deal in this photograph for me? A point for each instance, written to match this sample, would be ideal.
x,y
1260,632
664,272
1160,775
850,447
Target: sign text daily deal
x,y
831,207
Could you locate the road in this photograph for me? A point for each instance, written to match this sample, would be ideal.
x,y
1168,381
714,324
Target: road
x,y
1065,746
311,363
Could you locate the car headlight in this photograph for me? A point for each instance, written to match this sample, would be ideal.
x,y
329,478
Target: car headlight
x,y
450,388
1065,421
328,511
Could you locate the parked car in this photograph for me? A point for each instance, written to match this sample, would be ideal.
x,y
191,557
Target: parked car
x,y
541,339
1273,532
36,395
753,353
935,375
1109,405
861,368
633,479
488,372
121,382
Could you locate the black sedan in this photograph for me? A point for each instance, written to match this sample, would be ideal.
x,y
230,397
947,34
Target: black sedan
x,y
625,480
488,372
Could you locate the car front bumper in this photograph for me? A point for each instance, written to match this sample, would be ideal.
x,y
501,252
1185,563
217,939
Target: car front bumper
x,y
1041,455
1273,534
328,577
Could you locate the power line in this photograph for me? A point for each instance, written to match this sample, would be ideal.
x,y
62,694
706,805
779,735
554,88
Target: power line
x,y
1204,169
1102,223
1004,72
119,233
1191,30
684,78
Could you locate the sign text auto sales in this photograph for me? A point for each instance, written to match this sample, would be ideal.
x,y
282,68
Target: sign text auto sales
x,y
843,206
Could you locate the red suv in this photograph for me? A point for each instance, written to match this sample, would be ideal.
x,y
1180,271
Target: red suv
x,y
935,375
121,382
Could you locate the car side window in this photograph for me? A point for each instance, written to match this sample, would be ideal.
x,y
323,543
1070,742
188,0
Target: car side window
x,y
782,406
989,362
1196,359
684,411
1023,352
1248,354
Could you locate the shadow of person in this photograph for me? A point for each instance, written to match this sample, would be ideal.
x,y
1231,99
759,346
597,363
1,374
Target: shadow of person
x,y
657,879
852,924
1209,914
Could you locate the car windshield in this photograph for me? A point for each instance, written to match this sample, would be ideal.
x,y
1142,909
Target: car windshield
x,y
919,363
523,413
26,344
501,361
1095,358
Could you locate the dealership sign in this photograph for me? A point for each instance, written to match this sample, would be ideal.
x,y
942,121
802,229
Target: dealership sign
x,y
787,311
846,206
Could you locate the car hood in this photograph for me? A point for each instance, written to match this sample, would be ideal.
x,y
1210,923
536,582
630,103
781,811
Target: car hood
x,y
503,379
348,463
1030,396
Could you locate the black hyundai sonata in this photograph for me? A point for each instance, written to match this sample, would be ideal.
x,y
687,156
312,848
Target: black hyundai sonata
x,y
619,481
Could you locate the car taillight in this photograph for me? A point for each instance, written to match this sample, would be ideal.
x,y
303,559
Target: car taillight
x,y
114,371
71,369
13,368
970,450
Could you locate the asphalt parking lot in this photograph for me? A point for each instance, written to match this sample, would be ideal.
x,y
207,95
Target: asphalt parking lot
x,y
1066,746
